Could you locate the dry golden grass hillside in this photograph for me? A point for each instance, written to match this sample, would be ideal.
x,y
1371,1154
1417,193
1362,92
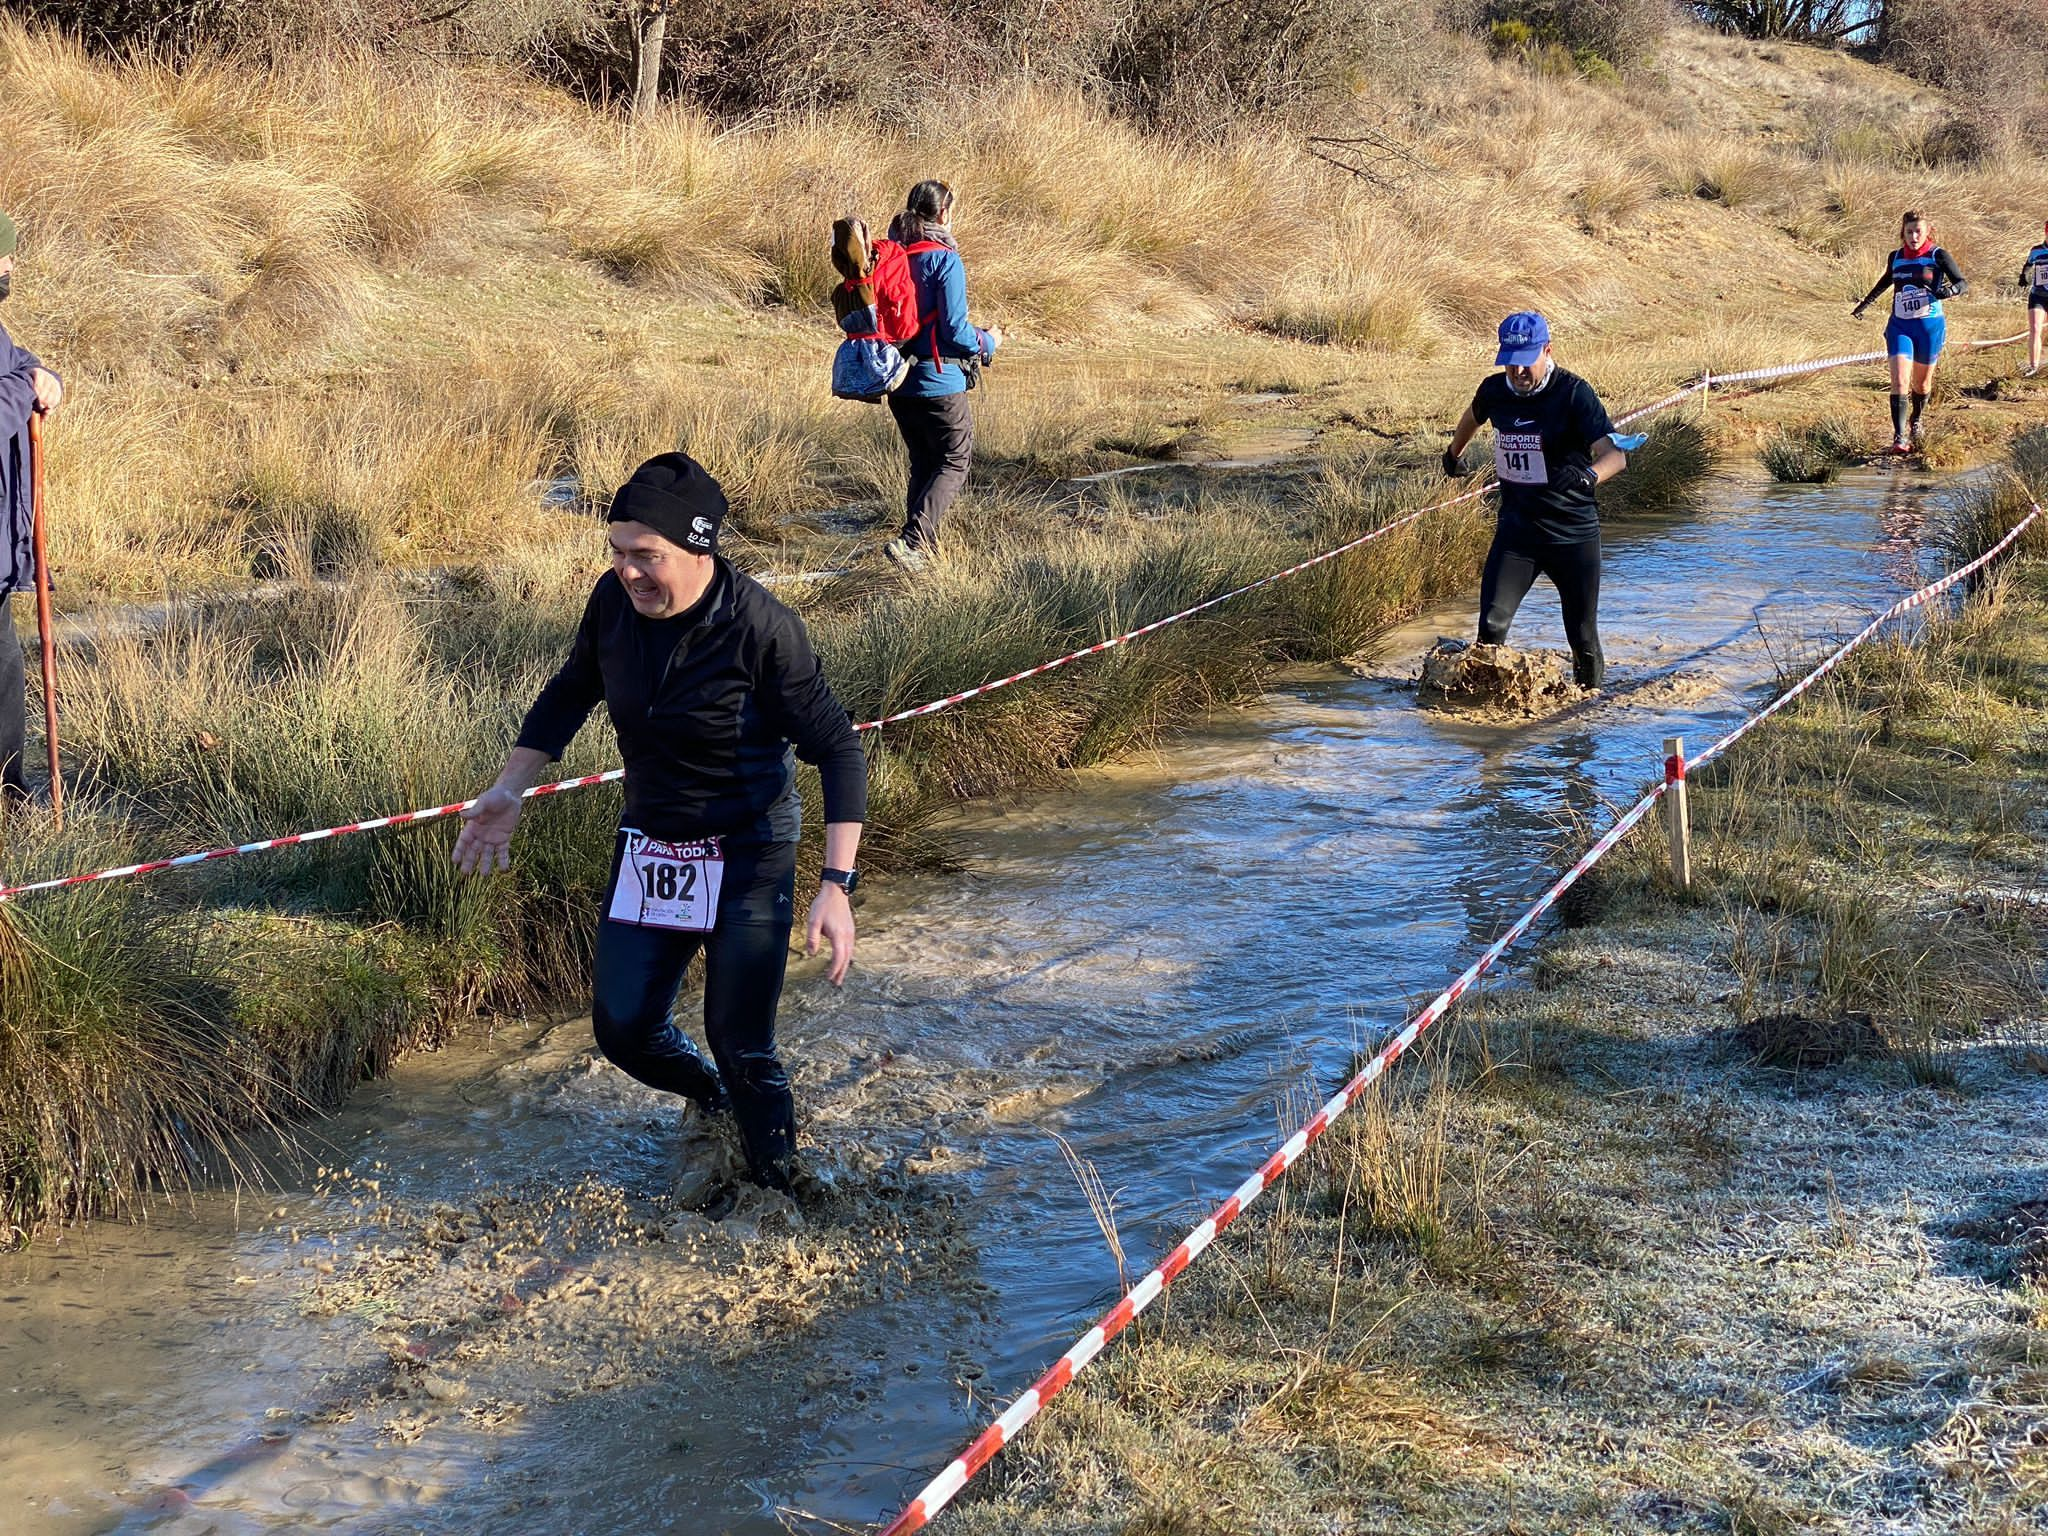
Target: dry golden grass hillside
x,y
351,308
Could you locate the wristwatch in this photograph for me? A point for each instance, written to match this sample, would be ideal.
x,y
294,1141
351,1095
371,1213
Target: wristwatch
x,y
845,879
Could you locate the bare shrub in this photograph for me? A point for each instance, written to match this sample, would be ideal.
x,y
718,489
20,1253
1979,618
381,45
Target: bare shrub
x,y
1799,21
1987,55
1588,34
182,29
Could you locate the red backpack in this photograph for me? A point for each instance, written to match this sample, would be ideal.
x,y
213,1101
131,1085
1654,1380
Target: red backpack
x,y
895,292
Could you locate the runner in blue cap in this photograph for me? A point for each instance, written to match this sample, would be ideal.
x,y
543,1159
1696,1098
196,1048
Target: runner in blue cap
x,y
1552,446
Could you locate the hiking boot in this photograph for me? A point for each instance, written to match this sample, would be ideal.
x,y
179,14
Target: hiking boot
x,y
906,554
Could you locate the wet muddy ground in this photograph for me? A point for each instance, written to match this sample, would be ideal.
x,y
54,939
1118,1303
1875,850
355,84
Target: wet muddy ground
x,y
482,1295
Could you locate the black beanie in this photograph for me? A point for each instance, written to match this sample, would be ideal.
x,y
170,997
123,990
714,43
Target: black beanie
x,y
672,494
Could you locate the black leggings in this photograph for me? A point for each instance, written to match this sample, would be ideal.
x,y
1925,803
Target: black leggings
x,y
13,705
1513,565
640,970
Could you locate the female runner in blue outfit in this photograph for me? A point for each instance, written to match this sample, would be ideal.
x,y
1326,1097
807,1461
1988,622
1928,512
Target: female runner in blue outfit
x,y
1921,275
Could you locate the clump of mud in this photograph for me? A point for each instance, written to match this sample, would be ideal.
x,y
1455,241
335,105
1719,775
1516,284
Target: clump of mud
x,y
1799,1040
1495,682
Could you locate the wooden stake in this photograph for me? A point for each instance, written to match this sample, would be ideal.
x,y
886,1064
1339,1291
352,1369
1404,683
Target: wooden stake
x,y
1677,820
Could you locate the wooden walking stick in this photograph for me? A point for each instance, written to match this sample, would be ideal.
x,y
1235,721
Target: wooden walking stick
x,y
43,625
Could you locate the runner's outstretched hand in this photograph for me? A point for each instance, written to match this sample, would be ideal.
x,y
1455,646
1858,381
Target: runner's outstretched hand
x,y
1454,466
832,921
485,842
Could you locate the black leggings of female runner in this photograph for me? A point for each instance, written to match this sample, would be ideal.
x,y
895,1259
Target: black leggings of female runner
x,y
1513,565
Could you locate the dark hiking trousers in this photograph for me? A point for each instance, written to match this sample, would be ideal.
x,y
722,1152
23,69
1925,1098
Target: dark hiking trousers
x,y
1512,566
640,970
939,432
13,704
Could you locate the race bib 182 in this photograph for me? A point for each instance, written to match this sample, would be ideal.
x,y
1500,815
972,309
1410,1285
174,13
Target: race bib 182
x,y
668,885
1912,304
1518,458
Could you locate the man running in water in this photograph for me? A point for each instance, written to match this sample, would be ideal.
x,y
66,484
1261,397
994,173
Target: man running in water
x,y
2034,279
709,683
1920,274
1552,446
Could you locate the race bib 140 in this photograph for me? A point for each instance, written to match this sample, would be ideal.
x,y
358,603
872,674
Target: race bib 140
x,y
668,885
1912,304
1518,458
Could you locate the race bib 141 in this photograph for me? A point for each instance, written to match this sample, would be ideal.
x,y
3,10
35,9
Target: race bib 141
x,y
668,885
1518,458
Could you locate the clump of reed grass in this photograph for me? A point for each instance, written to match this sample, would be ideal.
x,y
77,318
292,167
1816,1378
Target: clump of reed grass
x,y
1725,171
1812,453
1977,519
142,1040
1666,474
1613,196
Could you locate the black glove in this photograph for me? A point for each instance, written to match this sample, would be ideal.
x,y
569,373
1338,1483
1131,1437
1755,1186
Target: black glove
x,y
1575,477
1944,289
1453,465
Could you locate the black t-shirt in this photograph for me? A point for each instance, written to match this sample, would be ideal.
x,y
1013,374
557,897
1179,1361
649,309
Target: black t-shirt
x,y
1534,438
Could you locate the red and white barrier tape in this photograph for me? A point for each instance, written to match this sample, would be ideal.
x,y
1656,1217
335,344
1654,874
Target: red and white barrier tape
x,y
434,813
941,1490
292,840
1709,379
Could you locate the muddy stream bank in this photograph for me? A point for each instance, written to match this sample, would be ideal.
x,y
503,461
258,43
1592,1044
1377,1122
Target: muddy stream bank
x,y
490,1302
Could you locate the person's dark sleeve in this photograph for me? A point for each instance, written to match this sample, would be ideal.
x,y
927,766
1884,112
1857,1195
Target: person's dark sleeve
x,y
1951,275
1479,401
570,695
816,723
18,366
1883,283
1589,415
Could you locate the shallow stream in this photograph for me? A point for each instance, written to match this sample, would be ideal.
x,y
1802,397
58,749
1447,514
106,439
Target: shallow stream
x,y
497,1314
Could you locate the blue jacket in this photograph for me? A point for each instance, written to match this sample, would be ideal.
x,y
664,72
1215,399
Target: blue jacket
x,y
17,513
942,293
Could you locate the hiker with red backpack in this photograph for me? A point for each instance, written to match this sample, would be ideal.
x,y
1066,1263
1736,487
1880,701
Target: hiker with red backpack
x,y
903,306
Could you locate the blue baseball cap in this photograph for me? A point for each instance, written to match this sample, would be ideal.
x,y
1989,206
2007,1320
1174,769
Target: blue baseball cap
x,y
1523,337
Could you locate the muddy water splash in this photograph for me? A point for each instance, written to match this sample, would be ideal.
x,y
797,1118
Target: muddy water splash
x,y
494,1303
